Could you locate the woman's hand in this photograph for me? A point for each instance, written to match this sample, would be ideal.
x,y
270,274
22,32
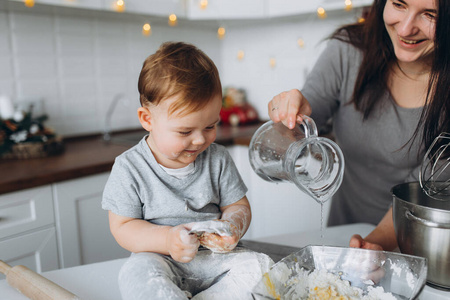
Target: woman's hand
x,y
381,238
181,245
288,107
357,241
368,264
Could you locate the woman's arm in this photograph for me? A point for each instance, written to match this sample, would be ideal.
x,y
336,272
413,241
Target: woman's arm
x,y
383,236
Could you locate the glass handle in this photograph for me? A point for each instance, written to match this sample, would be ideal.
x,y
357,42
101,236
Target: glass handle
x,y
309,126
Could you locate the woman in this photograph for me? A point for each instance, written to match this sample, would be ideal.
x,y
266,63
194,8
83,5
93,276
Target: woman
x,y
385,85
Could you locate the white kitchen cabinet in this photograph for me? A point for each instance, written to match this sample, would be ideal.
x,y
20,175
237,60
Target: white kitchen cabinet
x,y
36,250
88,4
216,10
27,229
82,225
25,210
152,7
73,3
226,9
280,8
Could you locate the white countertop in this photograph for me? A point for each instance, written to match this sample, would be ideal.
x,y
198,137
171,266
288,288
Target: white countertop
x,y
99,281
332,236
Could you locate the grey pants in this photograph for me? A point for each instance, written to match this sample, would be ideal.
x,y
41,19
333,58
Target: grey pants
x,y
208,276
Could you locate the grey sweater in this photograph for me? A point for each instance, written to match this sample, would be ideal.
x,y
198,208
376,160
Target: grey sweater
x,y
375,159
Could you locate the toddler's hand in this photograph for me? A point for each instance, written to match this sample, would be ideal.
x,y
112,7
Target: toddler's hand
x,y
221,243
182,246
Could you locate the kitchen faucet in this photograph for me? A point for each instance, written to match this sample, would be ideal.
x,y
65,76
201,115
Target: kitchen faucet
x,y
109,112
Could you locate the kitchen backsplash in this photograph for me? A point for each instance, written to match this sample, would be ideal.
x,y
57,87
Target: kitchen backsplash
x,y
76,63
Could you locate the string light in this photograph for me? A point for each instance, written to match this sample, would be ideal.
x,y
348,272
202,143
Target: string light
x,y
273,62
321,13
173,20
221,33
240,55
203,4
119,6
146,29
348,5
29,3
301,42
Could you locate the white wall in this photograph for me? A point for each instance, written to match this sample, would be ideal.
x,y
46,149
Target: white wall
x,y
277,40
76,61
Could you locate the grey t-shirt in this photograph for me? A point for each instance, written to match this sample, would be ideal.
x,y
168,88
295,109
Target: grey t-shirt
x,y
375,159
139,188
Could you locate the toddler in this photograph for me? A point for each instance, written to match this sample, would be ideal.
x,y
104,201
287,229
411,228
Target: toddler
x,y
176,199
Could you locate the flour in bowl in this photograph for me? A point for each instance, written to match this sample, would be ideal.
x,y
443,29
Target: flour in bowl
x,y
324,285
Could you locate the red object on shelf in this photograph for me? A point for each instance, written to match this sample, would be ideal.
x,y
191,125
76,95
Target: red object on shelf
x,y
239,115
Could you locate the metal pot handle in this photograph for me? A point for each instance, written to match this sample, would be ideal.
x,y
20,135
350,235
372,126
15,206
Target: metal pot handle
x,y
428,223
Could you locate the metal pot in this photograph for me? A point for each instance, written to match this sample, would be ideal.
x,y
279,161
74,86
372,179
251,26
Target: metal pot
x,y
422,226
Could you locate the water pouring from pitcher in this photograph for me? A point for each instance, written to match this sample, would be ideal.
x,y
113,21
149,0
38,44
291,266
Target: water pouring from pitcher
x,y
314,164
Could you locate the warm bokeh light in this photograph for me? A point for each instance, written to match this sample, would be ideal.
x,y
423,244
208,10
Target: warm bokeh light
x,y
272,62
221,33
361,20
203,4
146,29
173,20
119,6
348,5
301,43
29,3
240,55
321,13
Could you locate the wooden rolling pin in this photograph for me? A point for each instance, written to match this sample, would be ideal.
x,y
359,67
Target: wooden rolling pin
x,y
33,285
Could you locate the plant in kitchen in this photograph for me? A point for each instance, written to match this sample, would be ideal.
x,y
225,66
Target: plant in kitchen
x,y
24,136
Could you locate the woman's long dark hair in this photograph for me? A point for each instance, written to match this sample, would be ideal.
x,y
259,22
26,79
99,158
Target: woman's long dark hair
x,y
372,38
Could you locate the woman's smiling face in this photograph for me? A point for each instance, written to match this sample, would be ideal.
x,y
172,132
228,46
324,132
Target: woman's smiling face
x,y
411,26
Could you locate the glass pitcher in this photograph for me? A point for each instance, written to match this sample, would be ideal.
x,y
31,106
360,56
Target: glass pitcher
x,y
314,164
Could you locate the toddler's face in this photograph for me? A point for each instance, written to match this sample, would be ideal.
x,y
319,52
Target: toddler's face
x,y
175,140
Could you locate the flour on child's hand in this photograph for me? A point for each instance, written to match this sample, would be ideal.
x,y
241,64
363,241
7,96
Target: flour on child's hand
x,y
210,234
217,227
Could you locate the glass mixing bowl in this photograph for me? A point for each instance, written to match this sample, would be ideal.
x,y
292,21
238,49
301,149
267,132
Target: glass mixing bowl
x,y
359,271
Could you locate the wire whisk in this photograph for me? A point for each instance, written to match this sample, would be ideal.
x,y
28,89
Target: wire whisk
x,y
434,176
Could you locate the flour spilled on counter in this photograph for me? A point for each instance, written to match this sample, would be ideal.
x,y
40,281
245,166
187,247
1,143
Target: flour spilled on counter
x,y
322,285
